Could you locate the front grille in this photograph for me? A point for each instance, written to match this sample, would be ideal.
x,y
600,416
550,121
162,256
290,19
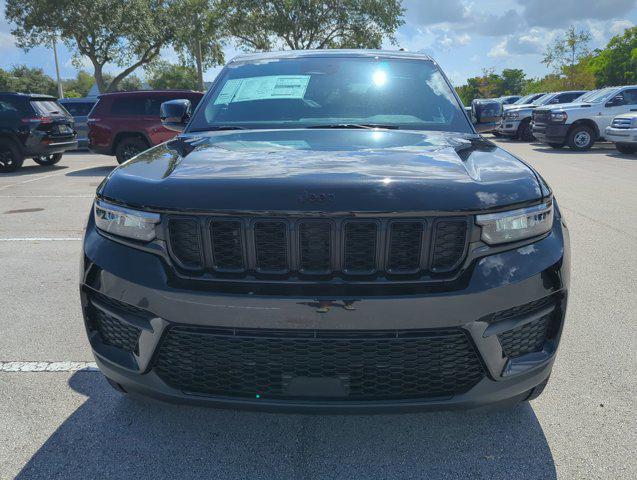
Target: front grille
x,y
313,364
524,309
622,123
449,244
526,338
317,246
360,247
540,117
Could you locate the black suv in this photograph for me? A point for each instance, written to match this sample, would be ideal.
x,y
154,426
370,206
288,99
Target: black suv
x,y
327,233
35,126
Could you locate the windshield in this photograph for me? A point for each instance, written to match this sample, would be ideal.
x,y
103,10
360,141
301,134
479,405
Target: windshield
x,y
332,91
525,99
599,96
543,99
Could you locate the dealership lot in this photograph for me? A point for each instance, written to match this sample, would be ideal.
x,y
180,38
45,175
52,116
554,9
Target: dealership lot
x,y
71,424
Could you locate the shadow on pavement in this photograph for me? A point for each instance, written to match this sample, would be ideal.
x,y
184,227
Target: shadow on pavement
x,y
92,171
114,436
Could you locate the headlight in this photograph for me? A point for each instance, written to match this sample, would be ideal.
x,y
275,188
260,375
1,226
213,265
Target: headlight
x,y
516,225
558,116
512,115
125,222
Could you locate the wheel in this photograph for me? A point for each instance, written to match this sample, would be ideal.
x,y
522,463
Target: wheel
x,y
10,157
625,148
537,391
129,147
525,131
556,146
48,159
115,385
581,138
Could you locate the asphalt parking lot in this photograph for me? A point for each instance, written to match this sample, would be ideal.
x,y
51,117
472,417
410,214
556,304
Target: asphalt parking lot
x,y
72,425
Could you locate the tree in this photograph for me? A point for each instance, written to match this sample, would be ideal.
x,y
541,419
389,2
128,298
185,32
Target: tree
x,y
78,86
164,75
616,64
565,54
27,80
198,37
513,81
307,24
126,33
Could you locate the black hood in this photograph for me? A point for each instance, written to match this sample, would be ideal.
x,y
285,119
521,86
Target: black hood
x,y
333,170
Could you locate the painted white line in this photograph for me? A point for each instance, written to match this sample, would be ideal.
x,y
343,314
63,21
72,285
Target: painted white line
x,y
47,196
48,367
41,239
40,178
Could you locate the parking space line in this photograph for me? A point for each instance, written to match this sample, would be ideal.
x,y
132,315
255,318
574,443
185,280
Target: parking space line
x,y
48,367
47,196
41,239
41,178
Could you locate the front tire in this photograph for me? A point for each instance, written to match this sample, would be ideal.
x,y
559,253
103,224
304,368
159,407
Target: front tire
x,y
625,148
10,157
48,159
581,138
525,131
128,148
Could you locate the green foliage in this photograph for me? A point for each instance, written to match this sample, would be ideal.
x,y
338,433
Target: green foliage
x,y
127,33
27,80
568,55
512,81
164,75
307,24
616,64
78,86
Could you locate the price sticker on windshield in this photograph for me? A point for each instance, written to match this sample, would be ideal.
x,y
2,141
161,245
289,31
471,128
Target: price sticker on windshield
x,y
263,88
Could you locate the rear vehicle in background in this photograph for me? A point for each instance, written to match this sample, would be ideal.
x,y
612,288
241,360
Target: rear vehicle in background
x,y
79,108
516,122
623,132
525,100
127,123
33,126
580,124
509,99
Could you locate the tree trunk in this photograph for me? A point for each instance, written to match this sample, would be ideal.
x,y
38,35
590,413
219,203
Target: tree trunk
x,y
199,62
99,77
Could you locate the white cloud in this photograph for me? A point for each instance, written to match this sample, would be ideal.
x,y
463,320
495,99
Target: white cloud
x,y
553,14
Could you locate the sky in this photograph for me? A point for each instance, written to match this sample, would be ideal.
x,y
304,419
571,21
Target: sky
x,y
463,36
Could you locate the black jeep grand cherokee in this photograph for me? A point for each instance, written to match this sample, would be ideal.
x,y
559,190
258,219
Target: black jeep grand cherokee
x,y
328,233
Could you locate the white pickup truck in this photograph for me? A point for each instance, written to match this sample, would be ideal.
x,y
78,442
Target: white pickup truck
x,y
579,125
623,132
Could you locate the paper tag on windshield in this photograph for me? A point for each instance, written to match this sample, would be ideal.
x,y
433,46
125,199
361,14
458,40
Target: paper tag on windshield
x,y
263,88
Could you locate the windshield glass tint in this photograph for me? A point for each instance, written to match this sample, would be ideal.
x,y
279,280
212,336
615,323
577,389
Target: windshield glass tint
x,y
309,92
48,107
543,99
601,95
524,99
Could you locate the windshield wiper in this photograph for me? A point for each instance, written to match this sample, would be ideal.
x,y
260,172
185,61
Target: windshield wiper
x,y
368,126
218,127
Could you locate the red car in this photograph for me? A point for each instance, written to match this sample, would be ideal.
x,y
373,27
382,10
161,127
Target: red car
x,y
127,123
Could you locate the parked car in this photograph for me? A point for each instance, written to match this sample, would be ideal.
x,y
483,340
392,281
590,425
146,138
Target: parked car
x,y
79,108
33,126
580,124
525,100
327,233
509,99
623,132
516,122
127,123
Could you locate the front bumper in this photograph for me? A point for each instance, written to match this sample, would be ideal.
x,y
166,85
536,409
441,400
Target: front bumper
x,y
550,133
621,135
508,127
496,283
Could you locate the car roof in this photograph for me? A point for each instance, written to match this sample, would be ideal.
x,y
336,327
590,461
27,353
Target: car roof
x,y
135,93
249,57
37,96
78,100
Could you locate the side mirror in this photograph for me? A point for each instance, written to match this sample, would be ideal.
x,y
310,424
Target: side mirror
x,y
175,114
616,101
486,114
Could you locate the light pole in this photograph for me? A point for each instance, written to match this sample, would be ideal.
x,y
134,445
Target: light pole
x,y
57,68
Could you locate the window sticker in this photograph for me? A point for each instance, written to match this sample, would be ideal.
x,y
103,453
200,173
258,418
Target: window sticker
x,y
263,88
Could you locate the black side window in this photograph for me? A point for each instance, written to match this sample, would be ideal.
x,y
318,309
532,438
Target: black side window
x,y
568,97
8,108
78,109
128,106
630,96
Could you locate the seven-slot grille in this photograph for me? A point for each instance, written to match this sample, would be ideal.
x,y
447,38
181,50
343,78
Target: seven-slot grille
x,y
280,246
